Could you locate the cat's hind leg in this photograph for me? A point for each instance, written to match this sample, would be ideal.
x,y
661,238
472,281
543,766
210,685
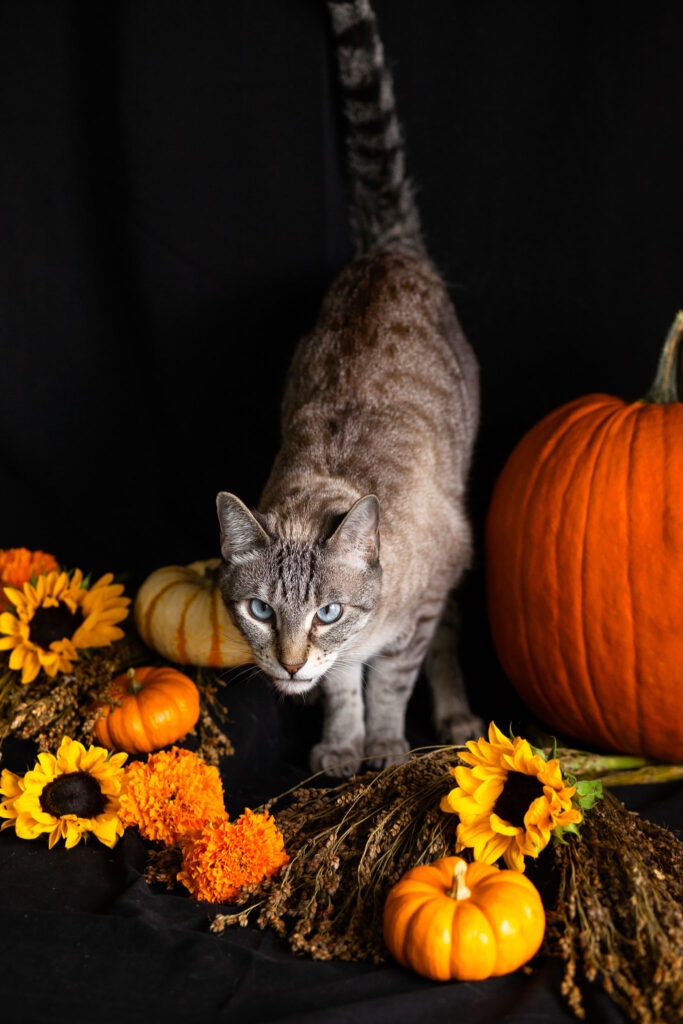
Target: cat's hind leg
x,y
341,748
453,718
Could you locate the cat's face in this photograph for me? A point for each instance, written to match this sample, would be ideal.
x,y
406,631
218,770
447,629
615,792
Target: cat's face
x,y
300,603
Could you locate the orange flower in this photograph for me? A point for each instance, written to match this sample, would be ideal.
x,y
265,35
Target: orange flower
x,y
224,857
18,565
171,795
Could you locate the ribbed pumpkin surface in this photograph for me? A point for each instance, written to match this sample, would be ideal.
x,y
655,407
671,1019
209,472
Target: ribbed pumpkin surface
x,y
494,930
584,557
158,707
179,612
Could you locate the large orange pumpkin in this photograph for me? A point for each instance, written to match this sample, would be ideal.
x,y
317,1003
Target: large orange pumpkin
x,y
179,612
153,707
449,920
584,561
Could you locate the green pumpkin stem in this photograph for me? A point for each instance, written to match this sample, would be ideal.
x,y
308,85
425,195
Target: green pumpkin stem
x,y
134,684
665,385
458,890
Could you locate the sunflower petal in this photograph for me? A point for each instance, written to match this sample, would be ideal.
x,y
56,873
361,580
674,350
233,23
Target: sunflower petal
x,y
474,833
9,624
466,779
92,759
108,828
118,759
488,792
457,802
73,835
514,858
10,783
27,828
490,851
497,738
16,658
48,763
503,827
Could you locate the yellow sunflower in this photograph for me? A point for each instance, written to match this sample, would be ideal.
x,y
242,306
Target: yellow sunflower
x,y
509,801
57,615
67,795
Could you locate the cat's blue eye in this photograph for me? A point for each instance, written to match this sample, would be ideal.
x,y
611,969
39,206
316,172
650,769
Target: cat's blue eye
x,y
330,613
260,610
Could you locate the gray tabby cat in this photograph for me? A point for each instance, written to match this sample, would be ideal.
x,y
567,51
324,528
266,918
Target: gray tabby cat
x,y
380,411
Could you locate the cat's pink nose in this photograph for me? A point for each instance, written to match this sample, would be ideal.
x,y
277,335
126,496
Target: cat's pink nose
x,y
293,669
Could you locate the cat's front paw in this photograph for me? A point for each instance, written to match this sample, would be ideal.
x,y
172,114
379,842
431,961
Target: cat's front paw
x,y
457,729
383,752
340,761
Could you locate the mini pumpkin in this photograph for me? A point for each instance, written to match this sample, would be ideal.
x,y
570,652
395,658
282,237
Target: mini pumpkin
x,y
151,707
179,612
450,920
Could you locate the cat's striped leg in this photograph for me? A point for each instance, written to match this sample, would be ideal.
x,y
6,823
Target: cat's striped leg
x,y
342,745
453,719
390,682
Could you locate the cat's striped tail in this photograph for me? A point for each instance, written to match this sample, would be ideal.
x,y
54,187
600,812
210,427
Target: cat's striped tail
x,y
383,210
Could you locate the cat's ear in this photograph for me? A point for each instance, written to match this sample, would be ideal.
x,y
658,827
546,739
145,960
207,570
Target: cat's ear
x,y
240,531
356,539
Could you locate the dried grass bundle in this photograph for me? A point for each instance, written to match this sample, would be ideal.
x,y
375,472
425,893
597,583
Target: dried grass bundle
x,y
46,709
348,845
618,916
50,708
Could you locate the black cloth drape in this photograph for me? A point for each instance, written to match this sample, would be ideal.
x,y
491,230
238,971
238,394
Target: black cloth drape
x,y
173,209
82,934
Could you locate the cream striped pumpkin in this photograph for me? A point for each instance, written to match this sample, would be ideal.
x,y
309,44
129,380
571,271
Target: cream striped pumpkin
x,y
180,614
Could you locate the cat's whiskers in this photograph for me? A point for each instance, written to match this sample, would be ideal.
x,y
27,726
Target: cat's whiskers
x,y
247,671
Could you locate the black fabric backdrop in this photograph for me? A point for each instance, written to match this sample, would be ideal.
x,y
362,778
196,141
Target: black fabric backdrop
x,y
173,208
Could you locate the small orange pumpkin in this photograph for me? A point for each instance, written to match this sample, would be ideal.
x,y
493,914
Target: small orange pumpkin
x,y
450,920
155,707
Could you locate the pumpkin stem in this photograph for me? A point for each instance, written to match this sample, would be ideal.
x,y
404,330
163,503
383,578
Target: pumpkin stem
x,y
134,684
665,385
458,890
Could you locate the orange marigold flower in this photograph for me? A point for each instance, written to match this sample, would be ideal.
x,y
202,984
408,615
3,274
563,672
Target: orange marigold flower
x,y
171,795
18,565
224,857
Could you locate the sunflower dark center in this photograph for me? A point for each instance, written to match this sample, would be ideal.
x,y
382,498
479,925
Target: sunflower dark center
x,y
55,623
74,793
519,792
